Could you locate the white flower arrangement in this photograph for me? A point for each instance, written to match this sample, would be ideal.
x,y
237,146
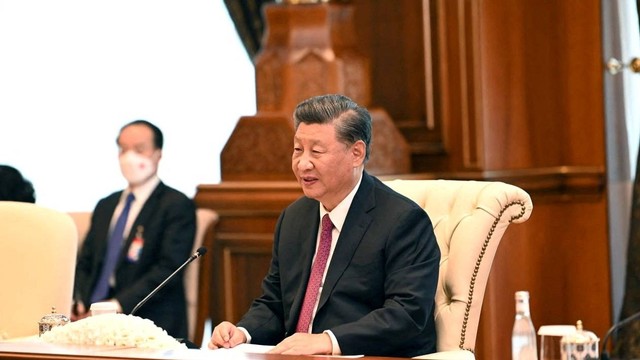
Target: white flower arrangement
x,y
113,330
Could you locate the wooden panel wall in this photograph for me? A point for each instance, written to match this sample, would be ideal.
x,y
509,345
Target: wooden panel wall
x,y
517,88
391,33
561,258
481,89
517,84
541,83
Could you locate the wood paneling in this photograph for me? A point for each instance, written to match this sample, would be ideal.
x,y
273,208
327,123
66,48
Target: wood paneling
x,y
556,259
541,83
509,90
517,84
390,33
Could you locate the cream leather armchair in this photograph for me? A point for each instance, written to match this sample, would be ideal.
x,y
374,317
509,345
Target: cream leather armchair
x,y
205,220
469,219
38,256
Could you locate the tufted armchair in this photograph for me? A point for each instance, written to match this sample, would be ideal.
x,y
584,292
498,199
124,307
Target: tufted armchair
x,y
38,256
469,219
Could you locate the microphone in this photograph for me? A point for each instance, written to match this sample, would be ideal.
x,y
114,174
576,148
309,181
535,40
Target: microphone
x,y
604,355
201,251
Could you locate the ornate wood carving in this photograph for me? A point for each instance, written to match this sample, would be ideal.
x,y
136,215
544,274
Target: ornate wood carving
x,y
308,50
259,148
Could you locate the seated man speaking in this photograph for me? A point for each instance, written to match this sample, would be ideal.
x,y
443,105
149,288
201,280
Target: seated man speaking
x,y
354,268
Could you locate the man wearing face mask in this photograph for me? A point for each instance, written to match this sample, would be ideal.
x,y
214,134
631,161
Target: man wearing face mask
x,y
137,238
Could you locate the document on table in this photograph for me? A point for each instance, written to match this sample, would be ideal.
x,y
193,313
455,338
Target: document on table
x,y
217,354
250,348
261,349
36,346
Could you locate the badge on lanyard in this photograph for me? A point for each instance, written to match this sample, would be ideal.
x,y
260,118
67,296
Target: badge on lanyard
x,y
133,255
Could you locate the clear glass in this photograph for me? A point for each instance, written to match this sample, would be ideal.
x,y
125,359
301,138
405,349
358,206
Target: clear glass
x,y
550,338
523,337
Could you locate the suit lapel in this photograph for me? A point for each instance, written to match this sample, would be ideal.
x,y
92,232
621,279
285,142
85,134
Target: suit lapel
x,y
143,218
353,230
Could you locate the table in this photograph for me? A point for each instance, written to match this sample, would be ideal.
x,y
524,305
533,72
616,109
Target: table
x,y
37,350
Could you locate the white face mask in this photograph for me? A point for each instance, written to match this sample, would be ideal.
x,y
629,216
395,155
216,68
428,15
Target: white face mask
x,y
136,168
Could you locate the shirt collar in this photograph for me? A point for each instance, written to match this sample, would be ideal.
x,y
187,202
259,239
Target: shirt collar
x,y
143,191
339,214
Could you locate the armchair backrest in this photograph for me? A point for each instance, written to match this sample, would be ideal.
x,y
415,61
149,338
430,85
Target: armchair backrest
x,y
205,220
38,255
469,219
82,219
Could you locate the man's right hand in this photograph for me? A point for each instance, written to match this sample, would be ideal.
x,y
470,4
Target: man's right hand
x,y
78,311
226,335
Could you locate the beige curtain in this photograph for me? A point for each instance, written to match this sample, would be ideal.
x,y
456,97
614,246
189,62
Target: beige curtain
x,y
627,339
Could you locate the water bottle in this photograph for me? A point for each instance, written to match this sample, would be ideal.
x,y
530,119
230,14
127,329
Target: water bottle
x,y
523,337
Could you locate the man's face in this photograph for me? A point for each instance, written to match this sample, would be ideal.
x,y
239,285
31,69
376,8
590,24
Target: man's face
x,y
139,138
326,168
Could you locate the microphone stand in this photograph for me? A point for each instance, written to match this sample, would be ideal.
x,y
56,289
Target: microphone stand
x,y
604,354
201,251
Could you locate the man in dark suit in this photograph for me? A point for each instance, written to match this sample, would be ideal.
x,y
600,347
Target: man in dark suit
x,y
375,293
156,237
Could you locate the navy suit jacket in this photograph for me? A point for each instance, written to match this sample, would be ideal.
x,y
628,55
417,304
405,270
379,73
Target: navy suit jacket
x,y
378,295
168,223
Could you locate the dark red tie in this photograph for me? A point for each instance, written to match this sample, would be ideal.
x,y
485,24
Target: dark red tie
x,y
317,273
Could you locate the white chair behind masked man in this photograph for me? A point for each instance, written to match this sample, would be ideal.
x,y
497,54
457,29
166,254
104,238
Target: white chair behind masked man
x,y
469,219
38,249
206,222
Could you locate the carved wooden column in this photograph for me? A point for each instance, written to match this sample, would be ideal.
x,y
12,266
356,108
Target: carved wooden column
x,y
308,49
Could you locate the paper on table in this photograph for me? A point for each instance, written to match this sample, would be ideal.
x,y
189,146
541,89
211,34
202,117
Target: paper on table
x,y
252,348
206,354
261,349
246,348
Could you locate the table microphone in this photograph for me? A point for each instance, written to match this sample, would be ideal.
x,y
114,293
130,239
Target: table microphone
x,y
201,251
604,355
